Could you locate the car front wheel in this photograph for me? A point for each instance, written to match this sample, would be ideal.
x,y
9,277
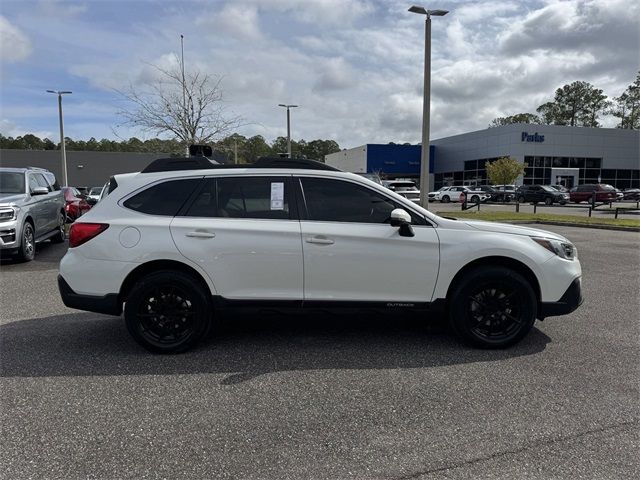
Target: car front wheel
x,y
492,307
27,251
521,199
548,201
445,199
168,312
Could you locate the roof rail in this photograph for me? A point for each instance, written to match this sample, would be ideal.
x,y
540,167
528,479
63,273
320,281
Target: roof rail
x,y
202,163
178,163
302,163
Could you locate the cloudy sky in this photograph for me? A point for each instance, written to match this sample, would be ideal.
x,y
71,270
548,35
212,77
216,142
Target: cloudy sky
x,y
353,66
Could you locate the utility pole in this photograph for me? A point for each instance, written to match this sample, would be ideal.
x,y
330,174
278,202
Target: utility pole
x,y
426,102
63,151
184,86
288,107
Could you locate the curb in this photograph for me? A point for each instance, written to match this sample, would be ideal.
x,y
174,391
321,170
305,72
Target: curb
x,y
579,225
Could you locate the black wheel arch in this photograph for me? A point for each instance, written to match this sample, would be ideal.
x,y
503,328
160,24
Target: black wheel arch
x,y
156,266
494,261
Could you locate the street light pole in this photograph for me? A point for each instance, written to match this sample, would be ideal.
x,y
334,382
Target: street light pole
x,y
426,102
288,126
63,151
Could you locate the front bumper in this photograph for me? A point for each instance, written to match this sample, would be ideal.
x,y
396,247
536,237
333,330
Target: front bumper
x,y
570,301
107,304
9,238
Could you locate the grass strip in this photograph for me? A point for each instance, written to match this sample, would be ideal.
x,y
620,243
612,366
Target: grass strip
x,y
542,217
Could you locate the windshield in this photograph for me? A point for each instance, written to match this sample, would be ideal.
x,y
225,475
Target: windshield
x,y
95,191
11,182
548,189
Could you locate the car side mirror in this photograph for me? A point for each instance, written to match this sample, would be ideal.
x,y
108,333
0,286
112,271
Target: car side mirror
x,y
40,191
400,218
91,200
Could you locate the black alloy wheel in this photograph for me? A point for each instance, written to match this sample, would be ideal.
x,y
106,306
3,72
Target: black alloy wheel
x,y
445,199
492,307
548,201
168,312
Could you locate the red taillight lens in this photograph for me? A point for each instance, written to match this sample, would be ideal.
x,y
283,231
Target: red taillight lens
x,y
83,232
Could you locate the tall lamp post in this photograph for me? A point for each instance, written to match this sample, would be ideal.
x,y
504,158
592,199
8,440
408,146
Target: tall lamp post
x,y
426,102
63,152
288,126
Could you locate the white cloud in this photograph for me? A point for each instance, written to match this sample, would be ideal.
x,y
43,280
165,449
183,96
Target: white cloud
x,y
57,8
334,74
239,21
354,66
14,44
10,129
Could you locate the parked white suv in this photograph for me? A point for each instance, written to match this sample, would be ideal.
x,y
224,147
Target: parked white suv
x,y
453,194
175,243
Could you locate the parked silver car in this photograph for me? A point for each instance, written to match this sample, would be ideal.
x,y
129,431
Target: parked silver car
x,y
31,210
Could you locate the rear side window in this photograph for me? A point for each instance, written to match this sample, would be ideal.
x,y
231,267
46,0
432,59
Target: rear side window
x,y
164,198
242,197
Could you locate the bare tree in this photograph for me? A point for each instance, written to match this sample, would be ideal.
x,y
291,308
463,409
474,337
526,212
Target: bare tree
x,y
188,107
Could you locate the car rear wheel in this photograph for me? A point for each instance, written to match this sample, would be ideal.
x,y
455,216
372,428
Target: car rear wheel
x,y
492,307
27,250
445,199
168,312
475,199
521,199
60,234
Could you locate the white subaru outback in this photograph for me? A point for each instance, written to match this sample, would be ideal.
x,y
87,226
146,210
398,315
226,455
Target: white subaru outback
x,y
172,245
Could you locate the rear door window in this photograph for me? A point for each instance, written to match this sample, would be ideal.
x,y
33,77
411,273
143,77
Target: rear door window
x,y
264,198
164,198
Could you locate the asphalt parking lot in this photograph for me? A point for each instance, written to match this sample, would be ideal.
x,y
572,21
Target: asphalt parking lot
x,y
320,396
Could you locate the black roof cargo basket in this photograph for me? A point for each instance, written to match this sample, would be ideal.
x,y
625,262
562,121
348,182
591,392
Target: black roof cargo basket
x,y
201,163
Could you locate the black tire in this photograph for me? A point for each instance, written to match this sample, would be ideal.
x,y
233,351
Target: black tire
x,y
492,307
168,311
445,199
521,199
60,234
548,201
27,250
475,199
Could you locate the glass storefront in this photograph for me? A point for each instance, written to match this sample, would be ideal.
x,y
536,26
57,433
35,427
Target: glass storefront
x,y
538,171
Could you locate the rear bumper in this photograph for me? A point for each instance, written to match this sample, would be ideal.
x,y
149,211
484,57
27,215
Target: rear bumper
x,y
107,304
570,301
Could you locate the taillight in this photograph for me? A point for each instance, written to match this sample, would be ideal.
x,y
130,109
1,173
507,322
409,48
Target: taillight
x,y
83,232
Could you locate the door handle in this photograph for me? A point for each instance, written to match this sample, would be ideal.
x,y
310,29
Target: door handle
x,y
320,240
198,234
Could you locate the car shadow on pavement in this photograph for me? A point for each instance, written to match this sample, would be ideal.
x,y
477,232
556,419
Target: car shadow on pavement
x,y
47,255
244,347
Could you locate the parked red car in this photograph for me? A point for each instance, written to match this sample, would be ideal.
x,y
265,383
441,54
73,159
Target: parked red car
x,y
583,193
75,203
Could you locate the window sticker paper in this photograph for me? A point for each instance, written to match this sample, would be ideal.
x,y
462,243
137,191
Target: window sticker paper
x,y
277,196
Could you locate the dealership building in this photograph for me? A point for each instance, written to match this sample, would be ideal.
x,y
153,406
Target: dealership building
x,y
553,154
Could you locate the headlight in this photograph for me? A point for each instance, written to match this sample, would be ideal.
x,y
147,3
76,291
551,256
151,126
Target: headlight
x,y
8,213
565,250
